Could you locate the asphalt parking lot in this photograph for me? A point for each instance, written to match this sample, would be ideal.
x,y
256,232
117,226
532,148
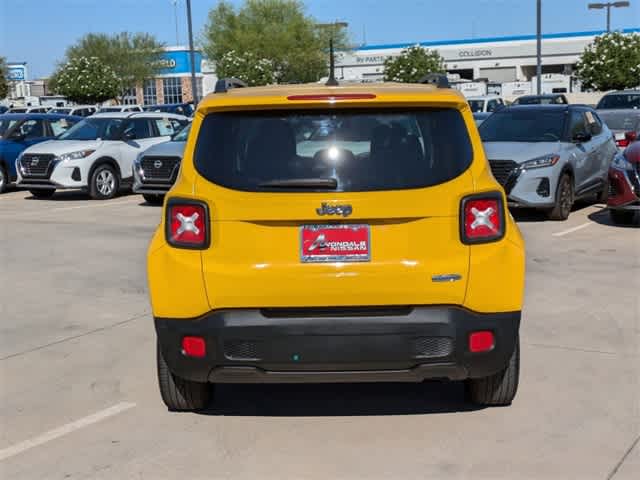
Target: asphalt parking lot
x,y
79,397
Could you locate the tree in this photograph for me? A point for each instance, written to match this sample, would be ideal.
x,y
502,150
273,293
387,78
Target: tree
x,y
412,64
4,80
611,62
133,58
274,32
254,71
86,80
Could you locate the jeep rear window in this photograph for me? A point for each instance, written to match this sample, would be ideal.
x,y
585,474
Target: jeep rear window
x,y
358,150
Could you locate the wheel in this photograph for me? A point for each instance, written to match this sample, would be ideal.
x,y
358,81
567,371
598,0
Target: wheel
x,y
179,394
4,179
104,183
500,388
43,193
153,199
603,195
564,199
622,217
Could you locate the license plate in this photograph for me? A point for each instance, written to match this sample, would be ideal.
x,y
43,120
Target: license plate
x,y
619,136
335,243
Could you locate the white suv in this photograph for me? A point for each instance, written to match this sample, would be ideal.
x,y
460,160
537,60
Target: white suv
x,y
96,154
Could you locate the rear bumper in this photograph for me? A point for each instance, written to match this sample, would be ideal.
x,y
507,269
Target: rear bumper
x,y
407,344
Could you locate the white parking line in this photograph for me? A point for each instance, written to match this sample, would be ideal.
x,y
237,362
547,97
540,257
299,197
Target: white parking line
x,y
64,430
75,207
571,230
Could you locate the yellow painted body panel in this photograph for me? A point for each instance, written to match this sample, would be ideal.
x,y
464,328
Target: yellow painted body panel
x,y
253,260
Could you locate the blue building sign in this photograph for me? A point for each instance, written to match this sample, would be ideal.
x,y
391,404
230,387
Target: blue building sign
x,y
17,72
177,62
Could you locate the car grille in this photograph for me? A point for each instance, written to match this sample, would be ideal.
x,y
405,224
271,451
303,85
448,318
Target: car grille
x,y
635,179
505,172
160,169
36,165
432,347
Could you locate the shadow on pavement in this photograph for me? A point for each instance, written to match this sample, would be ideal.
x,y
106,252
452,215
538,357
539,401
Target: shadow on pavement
x,y
533,215
70,196
339,399
602,217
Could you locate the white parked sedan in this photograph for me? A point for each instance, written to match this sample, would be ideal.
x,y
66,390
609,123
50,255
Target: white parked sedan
x,y
96,154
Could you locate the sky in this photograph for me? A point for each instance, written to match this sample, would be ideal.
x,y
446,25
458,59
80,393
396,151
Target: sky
x,y
39,31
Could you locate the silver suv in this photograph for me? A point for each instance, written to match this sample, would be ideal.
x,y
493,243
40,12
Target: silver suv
x,y
547,156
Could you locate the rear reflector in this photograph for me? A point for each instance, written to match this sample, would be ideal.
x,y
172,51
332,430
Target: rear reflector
x,y
482,218
194,347
187,224
481,341
332,97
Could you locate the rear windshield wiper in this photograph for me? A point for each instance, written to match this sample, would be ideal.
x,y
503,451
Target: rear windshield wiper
x,y
329,183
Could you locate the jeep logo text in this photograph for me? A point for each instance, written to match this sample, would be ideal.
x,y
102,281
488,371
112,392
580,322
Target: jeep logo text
x,y
326,209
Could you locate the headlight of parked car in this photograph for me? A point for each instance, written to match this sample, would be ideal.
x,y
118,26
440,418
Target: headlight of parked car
x,y
66,157
621,163
540,162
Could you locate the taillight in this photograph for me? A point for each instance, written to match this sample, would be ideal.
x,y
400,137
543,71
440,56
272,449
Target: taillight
x,y
187,224
194,347
629,137
481,341
482,218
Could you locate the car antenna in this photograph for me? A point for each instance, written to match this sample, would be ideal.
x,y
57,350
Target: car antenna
x,y
332,82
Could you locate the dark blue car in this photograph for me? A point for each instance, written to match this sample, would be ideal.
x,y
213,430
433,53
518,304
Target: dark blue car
x,y
19,131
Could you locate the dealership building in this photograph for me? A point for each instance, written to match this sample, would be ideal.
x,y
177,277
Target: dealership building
x,y
496,59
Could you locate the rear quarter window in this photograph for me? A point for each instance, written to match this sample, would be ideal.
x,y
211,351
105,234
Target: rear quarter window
x,y
362,150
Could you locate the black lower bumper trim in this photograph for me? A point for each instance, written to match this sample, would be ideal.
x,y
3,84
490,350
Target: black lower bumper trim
x,y
402,344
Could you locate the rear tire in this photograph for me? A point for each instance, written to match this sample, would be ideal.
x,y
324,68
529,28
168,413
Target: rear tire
x,y
564,199
500,388
44,193
179,394
104,182
4,179
153,199
622,217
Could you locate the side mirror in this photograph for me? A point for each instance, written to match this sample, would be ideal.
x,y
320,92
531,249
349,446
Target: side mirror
x,y
128,134
581,137
18,136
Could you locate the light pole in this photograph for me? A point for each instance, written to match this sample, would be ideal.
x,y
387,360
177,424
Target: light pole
x,y
608,6
192,60
539,46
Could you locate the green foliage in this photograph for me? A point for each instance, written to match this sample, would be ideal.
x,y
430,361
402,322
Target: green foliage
x,y
412,64
275,33
4,80
611,62
254,71
86,80
132,57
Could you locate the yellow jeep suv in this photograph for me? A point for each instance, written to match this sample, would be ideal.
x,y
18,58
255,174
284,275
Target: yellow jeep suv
x,y
346,233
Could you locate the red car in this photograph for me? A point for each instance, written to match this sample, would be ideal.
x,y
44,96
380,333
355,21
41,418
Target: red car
x,y
624,185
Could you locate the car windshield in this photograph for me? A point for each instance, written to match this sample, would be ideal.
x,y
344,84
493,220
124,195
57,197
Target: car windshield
x,y
534,125
626,100
6,124
476,105
94,128
347,150
63,111
182,135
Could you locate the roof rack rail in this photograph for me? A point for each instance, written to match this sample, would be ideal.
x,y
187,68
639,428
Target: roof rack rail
x,y
440,80
225,84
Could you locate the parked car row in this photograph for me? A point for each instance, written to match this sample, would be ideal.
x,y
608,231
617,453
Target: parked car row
x,y
49,152
185,109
